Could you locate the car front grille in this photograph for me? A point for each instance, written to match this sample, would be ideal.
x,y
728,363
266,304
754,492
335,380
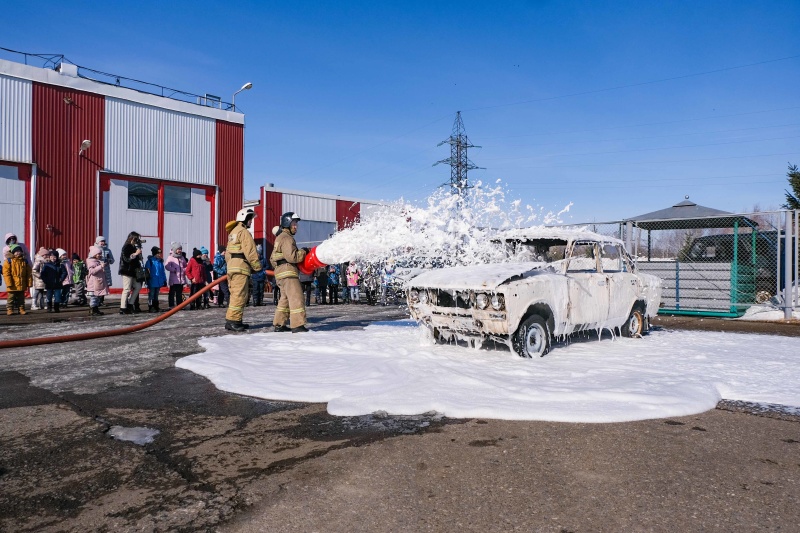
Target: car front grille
x,y
442,298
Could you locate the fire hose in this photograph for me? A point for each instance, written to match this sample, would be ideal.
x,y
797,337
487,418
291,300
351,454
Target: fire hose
x,y
308,265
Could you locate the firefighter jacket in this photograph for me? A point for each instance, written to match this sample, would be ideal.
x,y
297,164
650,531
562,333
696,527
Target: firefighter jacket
x,y
240,254
285,256
17,274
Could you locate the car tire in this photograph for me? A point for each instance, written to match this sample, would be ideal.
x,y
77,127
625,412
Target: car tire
x,y
532,339
634,325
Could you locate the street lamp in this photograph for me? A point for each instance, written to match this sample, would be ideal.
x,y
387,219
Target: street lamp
x,y
84,146
245,87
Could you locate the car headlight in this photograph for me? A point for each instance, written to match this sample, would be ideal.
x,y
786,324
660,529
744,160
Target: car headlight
x,y
481,301
413,295
423,297
498,302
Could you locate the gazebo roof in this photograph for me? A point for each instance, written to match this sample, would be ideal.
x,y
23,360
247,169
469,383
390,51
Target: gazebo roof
x,y
687,215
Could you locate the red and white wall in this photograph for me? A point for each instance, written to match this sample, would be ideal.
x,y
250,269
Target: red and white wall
x,y
170,170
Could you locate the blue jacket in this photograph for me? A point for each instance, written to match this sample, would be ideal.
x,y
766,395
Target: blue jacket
x,y
220,266
158,276
53,275
260,275
333,277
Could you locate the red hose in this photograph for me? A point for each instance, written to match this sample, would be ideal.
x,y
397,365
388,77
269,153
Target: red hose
x,y
111,332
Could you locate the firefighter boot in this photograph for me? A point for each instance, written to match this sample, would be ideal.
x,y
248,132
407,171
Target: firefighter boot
x,y
232,325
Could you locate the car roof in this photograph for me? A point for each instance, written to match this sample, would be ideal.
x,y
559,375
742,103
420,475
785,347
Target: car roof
x,y
554,235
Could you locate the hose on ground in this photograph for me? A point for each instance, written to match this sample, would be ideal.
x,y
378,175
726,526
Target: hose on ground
x,y
19,343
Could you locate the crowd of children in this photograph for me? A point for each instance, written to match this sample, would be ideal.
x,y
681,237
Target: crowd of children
x,y
55,279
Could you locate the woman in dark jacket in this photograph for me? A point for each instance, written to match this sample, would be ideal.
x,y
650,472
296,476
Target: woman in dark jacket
x,y
131,262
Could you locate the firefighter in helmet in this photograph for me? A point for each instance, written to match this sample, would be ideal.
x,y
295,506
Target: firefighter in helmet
x,y
242,260
285,257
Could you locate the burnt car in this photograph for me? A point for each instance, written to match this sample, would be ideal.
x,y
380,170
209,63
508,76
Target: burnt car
x,y
551,283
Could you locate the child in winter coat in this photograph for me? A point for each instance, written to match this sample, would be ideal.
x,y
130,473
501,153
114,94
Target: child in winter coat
x,y
176,266
196,274
258,280
96,279
208,268
53,275
221,269
78,280
353,275
66,285
38,290
156,278
333,283
17,275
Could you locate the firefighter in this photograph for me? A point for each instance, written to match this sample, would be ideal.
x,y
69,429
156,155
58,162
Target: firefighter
x,y
285,257
241,258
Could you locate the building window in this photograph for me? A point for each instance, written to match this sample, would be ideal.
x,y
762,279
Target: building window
x,y
177,199
143,196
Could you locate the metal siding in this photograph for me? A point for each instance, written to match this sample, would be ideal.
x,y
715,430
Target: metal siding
x,y
229,173
122,221
310,233
347,212
65,197
147,141
310,207
273,209
16,104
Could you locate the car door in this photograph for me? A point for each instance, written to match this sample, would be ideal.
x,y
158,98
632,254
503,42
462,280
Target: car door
x,y
622,284
588,287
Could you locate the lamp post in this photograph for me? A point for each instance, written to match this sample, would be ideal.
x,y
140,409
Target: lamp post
x,y
245,87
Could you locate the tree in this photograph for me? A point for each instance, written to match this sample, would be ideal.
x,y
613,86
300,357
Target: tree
x,y
793,200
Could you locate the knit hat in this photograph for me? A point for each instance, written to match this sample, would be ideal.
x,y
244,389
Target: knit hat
x,y
94,250
155,250
75,257
175,246
14,247
204,250
98,239
196,252
53,253
61,252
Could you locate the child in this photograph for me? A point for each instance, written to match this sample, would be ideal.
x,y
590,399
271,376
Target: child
x,y
66,285
78,280
208,268
258,279
333,284
353,276
176,266
17,275
96,279
11,240
38,290
53,275
196,274
221,269
156,278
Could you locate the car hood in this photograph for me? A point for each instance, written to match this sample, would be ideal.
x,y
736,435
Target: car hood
x,y
486,277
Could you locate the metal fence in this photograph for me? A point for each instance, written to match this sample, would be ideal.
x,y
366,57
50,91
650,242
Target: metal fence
x,y
716,266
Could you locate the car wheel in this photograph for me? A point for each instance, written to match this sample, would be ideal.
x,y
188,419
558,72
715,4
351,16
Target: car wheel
x,y
532,339
634,326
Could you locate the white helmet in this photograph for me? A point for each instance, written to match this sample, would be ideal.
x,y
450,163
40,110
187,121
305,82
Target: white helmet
x,y
245,214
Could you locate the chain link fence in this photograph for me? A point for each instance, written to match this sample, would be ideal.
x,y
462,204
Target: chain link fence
x,y
714,266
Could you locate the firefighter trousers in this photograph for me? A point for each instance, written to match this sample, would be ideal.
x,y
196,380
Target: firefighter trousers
x,y
239,286
290,307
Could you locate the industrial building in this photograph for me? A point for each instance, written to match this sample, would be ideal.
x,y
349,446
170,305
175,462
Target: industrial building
x,y
322,215
81,158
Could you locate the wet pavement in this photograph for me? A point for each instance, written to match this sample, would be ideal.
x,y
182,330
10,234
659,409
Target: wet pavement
x,y
226,462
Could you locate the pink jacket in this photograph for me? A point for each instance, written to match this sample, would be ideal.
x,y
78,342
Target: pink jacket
x,y
96,278
176,267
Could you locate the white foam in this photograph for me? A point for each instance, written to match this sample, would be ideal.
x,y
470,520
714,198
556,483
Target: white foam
x,y
394,368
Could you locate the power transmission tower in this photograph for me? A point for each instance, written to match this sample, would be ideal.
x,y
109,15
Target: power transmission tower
x,y
458,160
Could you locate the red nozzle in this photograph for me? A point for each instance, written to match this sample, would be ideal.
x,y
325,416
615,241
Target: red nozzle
x,y
310,263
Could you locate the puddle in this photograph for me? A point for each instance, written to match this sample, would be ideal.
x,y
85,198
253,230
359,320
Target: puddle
x,y
137,435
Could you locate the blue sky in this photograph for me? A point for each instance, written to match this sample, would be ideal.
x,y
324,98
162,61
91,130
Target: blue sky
x,y
619,107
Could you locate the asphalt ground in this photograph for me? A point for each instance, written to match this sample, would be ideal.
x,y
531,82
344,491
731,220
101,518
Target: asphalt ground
x,y
224,462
